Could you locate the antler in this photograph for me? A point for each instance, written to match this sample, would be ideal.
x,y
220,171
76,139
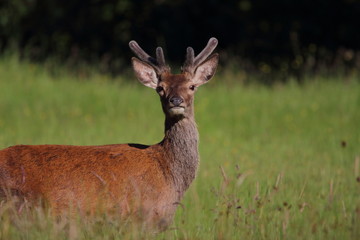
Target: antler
x,y
158,64
191,62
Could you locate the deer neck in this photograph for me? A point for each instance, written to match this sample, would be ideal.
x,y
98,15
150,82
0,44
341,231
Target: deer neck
x,y
181,149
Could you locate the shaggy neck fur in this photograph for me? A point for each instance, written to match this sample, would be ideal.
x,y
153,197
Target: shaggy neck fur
x,y
181,146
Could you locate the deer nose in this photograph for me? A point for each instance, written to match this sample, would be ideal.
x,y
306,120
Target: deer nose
x,y
176,101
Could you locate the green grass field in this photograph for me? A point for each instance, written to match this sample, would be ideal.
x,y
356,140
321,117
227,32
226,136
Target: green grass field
x,y
279,162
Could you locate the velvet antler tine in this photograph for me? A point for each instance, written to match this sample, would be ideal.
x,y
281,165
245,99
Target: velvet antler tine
x,y
206,51
192,63
134,46
158,63
189,56
160,56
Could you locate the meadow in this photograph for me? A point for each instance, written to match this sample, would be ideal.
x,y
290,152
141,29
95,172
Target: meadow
x,y
279,162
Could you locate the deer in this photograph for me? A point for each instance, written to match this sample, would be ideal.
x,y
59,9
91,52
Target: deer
x,y
131,179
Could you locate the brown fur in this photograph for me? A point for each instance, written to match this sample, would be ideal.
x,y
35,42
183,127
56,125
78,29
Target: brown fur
x,y
131,179
119,177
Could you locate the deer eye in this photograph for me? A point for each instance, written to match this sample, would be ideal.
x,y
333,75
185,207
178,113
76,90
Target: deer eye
x,y
192,87
159,89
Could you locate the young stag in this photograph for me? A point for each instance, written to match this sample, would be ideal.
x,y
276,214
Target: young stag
x,y
134,179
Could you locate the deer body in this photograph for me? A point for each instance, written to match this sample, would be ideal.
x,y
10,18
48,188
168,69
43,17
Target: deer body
x,y
130,178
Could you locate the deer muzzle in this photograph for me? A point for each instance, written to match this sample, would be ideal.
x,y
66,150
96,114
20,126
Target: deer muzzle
x,y
175,106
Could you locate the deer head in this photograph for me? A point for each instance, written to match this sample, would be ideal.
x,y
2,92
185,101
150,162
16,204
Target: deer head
x,y
176,91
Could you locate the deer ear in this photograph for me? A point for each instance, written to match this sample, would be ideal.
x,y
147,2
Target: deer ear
x,y
145,73
206,70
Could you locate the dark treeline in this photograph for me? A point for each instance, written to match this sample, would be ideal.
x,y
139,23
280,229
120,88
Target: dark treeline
x,y
259,35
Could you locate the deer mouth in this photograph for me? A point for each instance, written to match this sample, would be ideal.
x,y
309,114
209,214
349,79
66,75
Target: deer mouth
x,y
178,110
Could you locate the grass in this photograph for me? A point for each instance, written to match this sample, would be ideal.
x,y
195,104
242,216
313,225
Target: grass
x,y
277,162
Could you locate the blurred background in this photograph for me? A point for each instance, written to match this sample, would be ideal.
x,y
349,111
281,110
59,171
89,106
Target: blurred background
x,y
273,39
